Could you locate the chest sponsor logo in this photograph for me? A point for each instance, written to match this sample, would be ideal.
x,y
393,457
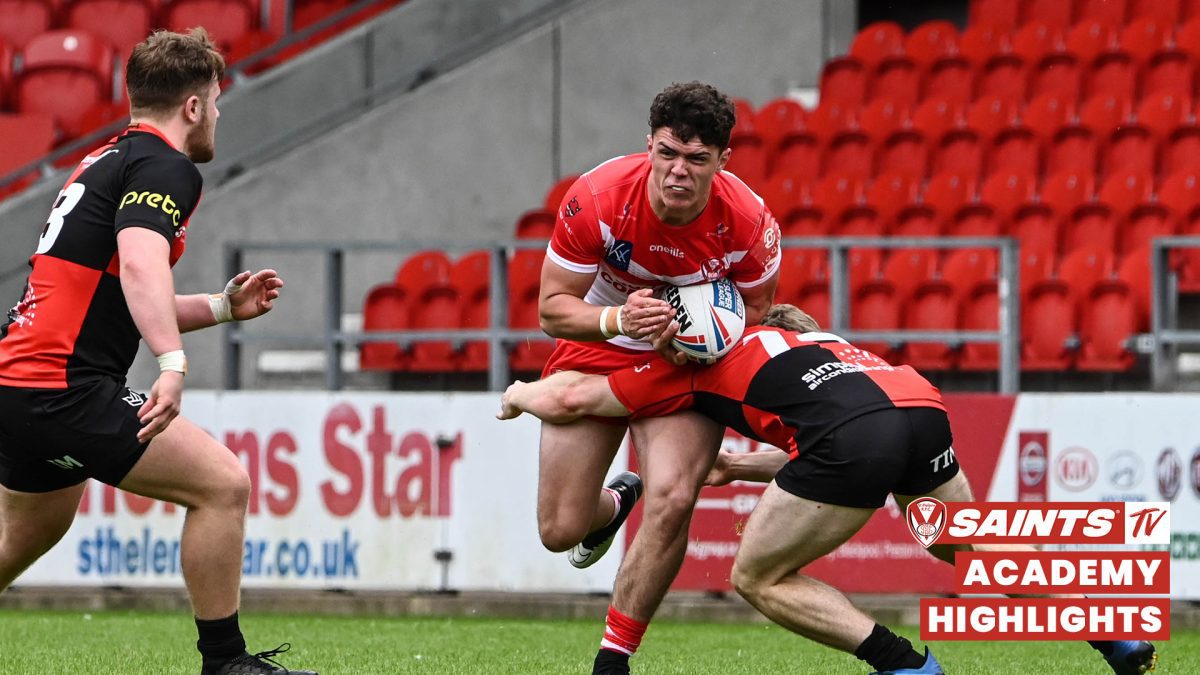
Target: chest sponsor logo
x,y
154,200
669,250
620,254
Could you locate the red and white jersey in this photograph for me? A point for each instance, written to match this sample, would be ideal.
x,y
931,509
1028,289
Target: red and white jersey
x,y
605,226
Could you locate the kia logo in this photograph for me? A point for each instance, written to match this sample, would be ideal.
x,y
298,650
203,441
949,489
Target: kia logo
x,y
1076,469
1124,470
1170,474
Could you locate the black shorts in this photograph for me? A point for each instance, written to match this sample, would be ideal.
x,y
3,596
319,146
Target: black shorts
x,y
55,438
901,450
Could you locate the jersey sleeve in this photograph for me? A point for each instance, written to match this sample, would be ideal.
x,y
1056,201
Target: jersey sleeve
x,y
653,389
759,255
577,244
158,193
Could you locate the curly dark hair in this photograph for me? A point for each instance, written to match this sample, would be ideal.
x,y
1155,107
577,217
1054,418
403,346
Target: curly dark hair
x,y
694,110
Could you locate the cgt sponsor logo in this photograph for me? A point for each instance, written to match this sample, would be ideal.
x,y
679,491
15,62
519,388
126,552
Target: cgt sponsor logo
x,y
1169,470
154,200
1125,470
1076,469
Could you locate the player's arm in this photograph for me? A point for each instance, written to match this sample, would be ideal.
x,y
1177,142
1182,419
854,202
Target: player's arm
x,y
563,397
246,296
755,467
562,312
759,299
150,294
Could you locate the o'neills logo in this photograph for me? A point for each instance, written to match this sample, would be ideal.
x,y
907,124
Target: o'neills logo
x,y
926,519
669,250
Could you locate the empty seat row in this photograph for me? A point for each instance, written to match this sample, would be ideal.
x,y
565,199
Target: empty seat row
x,y
1063,13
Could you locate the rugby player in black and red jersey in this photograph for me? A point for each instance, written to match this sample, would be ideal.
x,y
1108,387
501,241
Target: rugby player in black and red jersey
x,y
851,428
100,281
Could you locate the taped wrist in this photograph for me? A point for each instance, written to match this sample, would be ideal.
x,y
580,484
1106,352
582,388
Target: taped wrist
x,y
174,361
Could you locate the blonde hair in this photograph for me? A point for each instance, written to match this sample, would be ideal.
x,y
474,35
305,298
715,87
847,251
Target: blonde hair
x,y
790,317
166,68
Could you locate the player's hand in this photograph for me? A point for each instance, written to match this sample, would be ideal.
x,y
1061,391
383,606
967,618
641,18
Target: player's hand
x,y
662,344
252,295
643,314
509,411
162,406
721,472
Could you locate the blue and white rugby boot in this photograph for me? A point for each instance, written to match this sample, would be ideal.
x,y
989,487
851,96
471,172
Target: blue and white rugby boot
x,y
930,667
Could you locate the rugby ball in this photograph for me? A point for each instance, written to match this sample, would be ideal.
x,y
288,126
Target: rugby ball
x,y
711,318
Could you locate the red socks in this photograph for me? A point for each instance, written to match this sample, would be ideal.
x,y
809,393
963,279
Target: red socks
x,y
621,633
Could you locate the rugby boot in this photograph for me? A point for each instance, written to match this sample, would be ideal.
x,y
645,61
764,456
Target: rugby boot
x,y
930,667
1132,657
255,664
593,547
610,663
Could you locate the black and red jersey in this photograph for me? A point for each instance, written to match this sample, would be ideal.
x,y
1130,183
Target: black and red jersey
x,y
780,387
72,321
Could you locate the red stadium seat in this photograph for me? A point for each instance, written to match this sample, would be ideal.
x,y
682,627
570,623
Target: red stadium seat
x,y
1145,37
947,192
471,276
960,152
866,266
1124,190
556,193
1181,193
1162,111
1036,266
951,78
1048,324
875,306
1046,113
1003,76
1131,147
844,79
991,114
982,41
423,271
1053,13
1164,11
934,306
896,79
980,312
833,116
1114,72
904,152
26,139
908,268
436,309
476,314
800,268
1036,40
778,117
782,195
1146,221
1007,190
535,224
936,116
1015,149
65,73
877,42
1108,320
748,157
850,153
524,280
975,219
836,193
1169,70
385,309
123,23
891,192
1074,148
1186,262
1103,112
931,41
22,20
966,268
814,299
1036,226
916,220
1111,12
1187,36
1081,269
1067,190
883,117
860,220
1134,270
227,21
799,156
1059,74
1002,13
1180,150
1088,39
1090,227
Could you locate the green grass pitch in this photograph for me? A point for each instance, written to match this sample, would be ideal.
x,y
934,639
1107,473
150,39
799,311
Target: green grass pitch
x,y
139,642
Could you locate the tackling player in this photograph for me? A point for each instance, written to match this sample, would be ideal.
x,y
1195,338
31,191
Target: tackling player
x,y
101,280
666,216
851,429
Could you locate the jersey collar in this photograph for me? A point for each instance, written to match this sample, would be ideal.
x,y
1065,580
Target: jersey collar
x,y
149,129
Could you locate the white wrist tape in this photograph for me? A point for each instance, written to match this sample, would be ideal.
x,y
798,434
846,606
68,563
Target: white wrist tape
x,y
608,335
620,325
175,361
219,303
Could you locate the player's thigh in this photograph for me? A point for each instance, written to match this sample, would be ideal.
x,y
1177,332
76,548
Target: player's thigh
x,y
676,451
573,460
36,520
786,532
956,489
186,466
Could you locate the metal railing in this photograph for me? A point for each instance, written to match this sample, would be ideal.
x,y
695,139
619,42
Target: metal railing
x,y
1165,336
499,337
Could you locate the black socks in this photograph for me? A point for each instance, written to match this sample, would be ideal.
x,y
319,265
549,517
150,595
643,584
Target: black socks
x,y
220,639
885,650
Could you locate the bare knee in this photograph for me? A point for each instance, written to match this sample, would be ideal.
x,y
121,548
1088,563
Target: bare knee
x,y
559,532
671,508
748,584
227,488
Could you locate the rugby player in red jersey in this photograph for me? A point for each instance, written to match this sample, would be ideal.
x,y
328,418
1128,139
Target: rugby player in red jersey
x,y
101,281
670,215
851,429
